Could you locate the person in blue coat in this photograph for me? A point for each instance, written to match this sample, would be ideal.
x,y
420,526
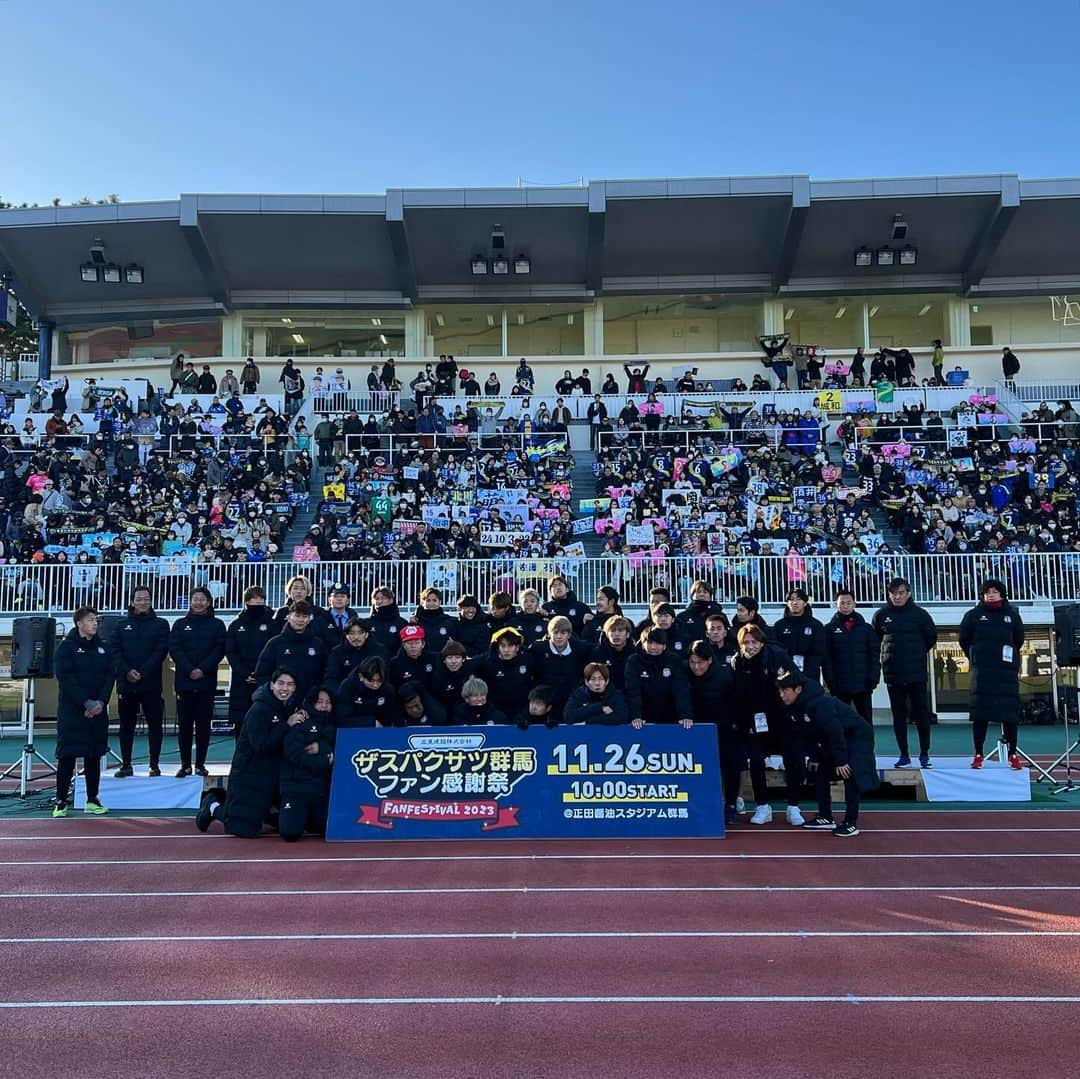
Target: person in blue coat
x,y
197,646
256,764
245,639
140,644
85,673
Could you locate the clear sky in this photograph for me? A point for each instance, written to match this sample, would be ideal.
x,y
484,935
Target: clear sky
x,y
152,98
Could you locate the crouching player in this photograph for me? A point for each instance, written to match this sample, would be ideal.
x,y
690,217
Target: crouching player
x,y
839,741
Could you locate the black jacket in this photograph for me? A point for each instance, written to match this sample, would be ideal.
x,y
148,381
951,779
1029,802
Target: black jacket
x,y
466,715
438,627
561,673
319,618
835,734
308,774
474,635
302,654
656,688
197,641
508,681
803,639
712,696
343,658
435,715
140,641
386,623
531,626
256,763
358,706
755,688
570,607
852,656
985,635
614,661
419,670
245,639
85,671
907,634
446,684
691,619
584,706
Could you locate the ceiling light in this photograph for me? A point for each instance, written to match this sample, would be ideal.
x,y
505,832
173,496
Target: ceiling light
x,y
287,321
975,308
789,314
522,264
521,318
570,319
840,312
376,322
885,256
133,274
899,227
924,309
110,274
874,310
500,265
479,265
382,339
864,257
491,320
439,320
908,255
298,338
89,273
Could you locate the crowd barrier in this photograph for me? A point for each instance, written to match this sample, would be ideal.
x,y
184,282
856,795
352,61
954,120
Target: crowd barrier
x,y
936,579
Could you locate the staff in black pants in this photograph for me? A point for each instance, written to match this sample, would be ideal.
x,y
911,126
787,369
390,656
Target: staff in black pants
x,y
197,645
84,675
140,644
907,635
712,691
991,635
852,666
245,640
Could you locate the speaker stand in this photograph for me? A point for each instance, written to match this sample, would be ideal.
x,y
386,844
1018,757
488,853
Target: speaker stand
x,y
29,754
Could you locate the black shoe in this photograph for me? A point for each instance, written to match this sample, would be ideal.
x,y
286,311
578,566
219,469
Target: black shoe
x,y
820,824
154,770
184,772
200,770
206,811
845,830
123,772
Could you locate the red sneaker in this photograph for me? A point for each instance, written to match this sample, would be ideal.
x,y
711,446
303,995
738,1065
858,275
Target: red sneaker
x,y
1014,762
977,761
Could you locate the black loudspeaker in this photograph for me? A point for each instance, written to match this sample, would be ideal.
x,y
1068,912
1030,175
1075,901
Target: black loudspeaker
x,y
1067,634
106,626
33,642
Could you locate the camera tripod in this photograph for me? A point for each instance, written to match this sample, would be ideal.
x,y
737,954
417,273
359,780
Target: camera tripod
x,y
25,763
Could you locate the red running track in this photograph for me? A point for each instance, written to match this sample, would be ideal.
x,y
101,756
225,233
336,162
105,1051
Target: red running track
x,y
935,943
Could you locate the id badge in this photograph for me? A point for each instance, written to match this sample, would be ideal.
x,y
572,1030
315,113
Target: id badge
x,y
798,661
761,723
1007,653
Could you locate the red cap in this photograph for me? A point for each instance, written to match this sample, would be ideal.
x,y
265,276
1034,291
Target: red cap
x,y
412,633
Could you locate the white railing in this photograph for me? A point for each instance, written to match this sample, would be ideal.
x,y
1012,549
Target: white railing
x,y
394,447
328,402
1037,392
936,579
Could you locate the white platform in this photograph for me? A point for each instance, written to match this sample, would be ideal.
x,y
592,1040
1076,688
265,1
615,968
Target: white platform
x,y
952,779
142,791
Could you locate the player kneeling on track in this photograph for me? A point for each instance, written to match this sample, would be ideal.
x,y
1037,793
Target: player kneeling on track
x,y
839,741
306,763
256,764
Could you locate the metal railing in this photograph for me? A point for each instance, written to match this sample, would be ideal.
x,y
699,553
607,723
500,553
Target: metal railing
x,y
366,403
447,442
1037,392
936,579
708,440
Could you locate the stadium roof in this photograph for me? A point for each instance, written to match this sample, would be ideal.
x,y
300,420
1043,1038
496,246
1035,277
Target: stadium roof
x,y
778,235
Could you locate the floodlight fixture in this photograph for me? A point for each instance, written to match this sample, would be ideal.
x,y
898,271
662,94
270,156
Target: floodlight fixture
x,y
522,264
134,274
885,256
89,273
479,265
909,255
500,265
110,273
864,257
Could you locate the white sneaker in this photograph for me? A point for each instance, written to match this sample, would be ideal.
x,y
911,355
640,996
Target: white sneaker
x,y
762,815
795,817
740,804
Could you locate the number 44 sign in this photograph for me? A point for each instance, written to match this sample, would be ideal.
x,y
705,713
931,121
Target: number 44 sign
x,y
577,782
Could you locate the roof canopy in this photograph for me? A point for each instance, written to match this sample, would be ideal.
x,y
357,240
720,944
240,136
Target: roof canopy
x,y
780,236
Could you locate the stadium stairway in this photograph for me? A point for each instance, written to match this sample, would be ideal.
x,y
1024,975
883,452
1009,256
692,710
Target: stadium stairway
x,y
302,522
584,480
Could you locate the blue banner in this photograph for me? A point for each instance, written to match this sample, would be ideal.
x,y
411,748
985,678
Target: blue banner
x,y
570,782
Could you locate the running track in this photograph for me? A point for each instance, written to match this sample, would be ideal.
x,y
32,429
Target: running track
x,y
944,943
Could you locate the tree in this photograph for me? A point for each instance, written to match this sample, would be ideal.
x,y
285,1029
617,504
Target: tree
x,y
21,337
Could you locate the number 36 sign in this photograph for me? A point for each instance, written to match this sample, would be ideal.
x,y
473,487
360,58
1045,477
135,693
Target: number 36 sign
x,y
570,782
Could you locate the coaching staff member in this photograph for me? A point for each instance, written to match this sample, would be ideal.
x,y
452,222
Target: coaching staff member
x,y
84,675
852,666
140,644
991,634
197,645
246,637
907,634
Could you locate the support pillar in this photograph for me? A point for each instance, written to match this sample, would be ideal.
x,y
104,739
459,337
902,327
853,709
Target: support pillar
x,y
45,346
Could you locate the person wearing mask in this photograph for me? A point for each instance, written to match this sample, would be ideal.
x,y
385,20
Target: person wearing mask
x,y
249,376
338,616
691,619
852,662
1010,364
140,644
307,760
712,696
206,383
256,764
937,362
991,636
839,744
412,663
359,644
907,634
615,648
596,700
365,698
801,635
759,714
386,619
558,661
85,671
719,637
471,629
474,709
635,378
197,646
656,686
419,708
245,640
507,671
299,648
523,375
561,601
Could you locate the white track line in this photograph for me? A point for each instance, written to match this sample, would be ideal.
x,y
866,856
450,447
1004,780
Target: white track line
x,y
337,860
659,934
286,1002
944,892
